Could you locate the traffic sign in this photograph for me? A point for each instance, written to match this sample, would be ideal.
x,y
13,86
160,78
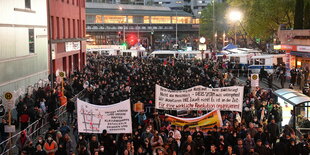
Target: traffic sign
x,y
202,47
8,95
9,100
62,74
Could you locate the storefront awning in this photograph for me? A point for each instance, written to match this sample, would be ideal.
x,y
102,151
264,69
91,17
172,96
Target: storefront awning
x,y
292,97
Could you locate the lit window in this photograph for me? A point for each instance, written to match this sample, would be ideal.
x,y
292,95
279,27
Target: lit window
x,y
130,19
115,19
199,1
99,19
160,19
31,40
160,2
146,19
196,21
181,20
199,12
178,2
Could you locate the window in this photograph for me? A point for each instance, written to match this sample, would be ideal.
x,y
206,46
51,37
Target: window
x,y
90,19
137,19
58,32
99,19
28,4
69,28
83,35
31,40
161,19
53,27
115,19
178,2
182,20
130,19
63,28
73,21
88,0
196,21
146,19
79,28
160,2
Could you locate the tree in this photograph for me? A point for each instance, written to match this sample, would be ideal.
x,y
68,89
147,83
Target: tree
x,y
299,14
307,15
206,20
262,18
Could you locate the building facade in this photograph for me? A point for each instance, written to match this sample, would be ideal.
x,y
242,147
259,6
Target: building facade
x,y
23,43
296,43
159,27
67,26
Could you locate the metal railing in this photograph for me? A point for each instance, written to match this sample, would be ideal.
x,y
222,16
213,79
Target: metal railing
x,y
36,128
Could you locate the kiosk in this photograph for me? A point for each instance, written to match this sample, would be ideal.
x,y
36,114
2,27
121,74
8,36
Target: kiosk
x,y
299,104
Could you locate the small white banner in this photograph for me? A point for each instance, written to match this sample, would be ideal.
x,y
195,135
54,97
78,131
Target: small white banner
x,y
72,46
200,98
114,118
254,80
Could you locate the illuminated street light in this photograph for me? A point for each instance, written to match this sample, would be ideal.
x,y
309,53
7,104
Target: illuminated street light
x,y
120,8
235,16
202,40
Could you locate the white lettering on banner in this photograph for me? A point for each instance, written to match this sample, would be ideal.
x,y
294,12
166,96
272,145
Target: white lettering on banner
x,y
114,118
72,46
200,98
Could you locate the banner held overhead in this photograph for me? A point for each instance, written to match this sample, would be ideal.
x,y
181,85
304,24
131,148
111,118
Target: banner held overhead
x,y
114,118
200,98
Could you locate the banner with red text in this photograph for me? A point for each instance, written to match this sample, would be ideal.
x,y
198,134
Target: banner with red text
x,y
200,98
115,118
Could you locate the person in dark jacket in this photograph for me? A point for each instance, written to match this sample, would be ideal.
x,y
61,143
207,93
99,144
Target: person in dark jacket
x,y
273,129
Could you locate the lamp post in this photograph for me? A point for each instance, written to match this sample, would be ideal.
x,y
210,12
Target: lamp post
x,y
176,29
202,46
235,16
224,36
213,20
124,35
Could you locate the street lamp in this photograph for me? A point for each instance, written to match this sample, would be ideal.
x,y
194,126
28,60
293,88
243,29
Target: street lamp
x,y
235,16
202,41
124,35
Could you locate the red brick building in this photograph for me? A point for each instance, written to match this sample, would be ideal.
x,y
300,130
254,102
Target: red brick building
x,y
67,25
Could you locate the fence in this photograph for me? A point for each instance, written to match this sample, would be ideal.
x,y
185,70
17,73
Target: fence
x,y
35,129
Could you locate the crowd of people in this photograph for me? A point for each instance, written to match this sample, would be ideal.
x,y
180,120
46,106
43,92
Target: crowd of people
x,y
109,80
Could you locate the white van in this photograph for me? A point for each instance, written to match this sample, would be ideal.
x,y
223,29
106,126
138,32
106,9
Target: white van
x,y
266,61
193,54
164,54
134,53
104,52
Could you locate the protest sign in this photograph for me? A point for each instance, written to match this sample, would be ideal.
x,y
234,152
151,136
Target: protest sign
x,y
254,80
114,118
200,98
205,122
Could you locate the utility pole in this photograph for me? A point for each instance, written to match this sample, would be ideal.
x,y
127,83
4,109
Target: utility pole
x,y
50,43
213,29
176,28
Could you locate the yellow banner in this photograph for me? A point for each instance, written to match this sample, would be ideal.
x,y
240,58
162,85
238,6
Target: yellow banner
x,y
205,122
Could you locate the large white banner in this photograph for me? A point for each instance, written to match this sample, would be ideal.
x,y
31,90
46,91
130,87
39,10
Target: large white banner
x,y
114,118
200,98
